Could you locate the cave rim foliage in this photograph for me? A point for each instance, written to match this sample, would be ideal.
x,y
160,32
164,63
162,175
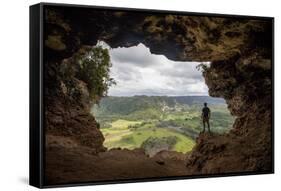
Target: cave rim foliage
x,y
60,102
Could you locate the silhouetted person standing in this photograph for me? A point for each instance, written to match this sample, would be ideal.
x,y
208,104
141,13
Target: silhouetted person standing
x,y
206,114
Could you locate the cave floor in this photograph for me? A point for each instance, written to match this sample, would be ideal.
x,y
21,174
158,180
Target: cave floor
x,y
73,165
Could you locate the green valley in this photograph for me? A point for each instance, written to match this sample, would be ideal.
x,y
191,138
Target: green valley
x,y
157,123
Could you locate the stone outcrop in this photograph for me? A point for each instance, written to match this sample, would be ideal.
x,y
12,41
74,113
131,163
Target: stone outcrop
x,y
67,106
245,83
240,53
186,38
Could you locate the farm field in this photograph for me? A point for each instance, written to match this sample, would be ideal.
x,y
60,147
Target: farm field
x,y
157,123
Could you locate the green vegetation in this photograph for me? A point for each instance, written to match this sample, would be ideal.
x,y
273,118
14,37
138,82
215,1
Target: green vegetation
x,y
90,67
94,70
158,123
121,135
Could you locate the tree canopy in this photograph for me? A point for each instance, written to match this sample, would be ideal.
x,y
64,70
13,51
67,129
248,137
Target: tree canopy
x,y
94,68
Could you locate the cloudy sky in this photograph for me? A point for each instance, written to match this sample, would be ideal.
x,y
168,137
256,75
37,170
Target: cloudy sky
x,y
138,72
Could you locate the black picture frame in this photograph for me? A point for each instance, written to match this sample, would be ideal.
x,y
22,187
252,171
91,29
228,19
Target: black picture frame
x,y
36,131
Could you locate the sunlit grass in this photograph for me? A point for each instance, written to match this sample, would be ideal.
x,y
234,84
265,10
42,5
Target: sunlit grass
x,y
121,136
132,130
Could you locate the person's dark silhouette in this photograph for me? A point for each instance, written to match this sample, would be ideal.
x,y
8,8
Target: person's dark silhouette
x,y
206,114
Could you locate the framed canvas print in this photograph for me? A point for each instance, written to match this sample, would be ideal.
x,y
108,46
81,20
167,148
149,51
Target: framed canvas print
x,y
125,95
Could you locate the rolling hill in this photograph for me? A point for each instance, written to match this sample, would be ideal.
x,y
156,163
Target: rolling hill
x,y
151,122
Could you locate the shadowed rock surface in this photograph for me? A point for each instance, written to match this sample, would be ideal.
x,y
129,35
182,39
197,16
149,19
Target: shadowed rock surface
x,y
239,50
81,165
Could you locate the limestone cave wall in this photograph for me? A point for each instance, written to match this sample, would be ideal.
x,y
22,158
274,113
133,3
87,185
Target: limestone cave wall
x,y
240,52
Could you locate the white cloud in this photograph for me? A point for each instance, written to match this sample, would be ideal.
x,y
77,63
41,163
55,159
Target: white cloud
x,y
138,72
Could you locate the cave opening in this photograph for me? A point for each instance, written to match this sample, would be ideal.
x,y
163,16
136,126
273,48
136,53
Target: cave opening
x,y
156,103
240,72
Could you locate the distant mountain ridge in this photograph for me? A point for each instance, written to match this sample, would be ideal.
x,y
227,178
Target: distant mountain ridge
x,y
127,105
190,100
